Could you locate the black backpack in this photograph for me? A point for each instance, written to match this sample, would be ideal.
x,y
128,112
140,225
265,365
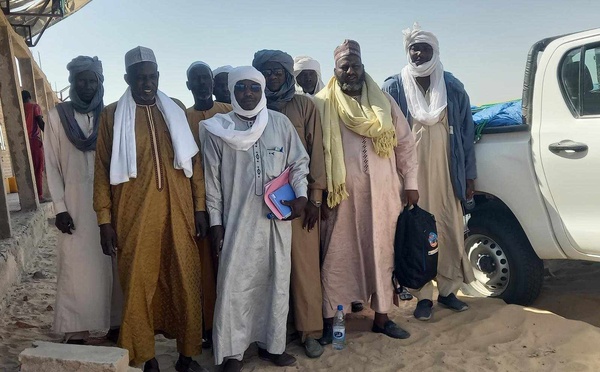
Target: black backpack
x,y
415,248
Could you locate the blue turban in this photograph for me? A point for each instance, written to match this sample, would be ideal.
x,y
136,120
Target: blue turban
x,y
276,100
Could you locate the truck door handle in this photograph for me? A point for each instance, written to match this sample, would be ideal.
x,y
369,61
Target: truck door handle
x,y
567,145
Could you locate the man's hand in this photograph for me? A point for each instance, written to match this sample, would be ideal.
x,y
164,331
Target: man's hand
x,y
201,221
217,235
470,189
108,239
297,206
311,216
412,197
64,223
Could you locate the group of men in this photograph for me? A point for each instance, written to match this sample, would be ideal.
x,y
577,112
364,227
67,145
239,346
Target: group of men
x,y
174,198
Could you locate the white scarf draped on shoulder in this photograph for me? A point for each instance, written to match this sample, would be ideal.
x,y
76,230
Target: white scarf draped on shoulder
x,y
223,126
123,162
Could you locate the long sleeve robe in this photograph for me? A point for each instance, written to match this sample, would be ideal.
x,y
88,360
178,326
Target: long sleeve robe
x,y
254,266
153,216
307,299
84,287
359,235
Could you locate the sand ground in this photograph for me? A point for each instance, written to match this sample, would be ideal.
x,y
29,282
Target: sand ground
x,y
558,333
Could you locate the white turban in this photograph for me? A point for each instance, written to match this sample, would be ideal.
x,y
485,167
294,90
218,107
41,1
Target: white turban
x,y
428,114
226,69
246,73
302,63
223,126
196,64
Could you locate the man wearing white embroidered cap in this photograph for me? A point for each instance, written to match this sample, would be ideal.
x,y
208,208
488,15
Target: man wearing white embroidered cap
x,y
438,107
149,199
308,75
243,151
221,90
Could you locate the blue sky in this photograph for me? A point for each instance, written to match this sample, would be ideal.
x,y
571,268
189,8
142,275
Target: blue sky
x,y
483,42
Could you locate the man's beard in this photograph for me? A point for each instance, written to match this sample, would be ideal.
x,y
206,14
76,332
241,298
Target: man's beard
x,y
352,87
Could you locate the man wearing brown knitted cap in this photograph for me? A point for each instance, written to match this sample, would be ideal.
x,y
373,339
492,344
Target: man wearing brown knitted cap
x,y
370,161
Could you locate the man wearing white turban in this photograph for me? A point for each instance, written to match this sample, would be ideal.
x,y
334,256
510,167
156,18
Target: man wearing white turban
x,y
308,75
85,283
437,106
243,150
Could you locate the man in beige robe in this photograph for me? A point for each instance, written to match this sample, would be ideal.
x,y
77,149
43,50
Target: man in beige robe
x,y
278,69
85,284
440,112
370,161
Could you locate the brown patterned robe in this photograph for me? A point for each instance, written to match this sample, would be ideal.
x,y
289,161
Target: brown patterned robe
x,y
153,216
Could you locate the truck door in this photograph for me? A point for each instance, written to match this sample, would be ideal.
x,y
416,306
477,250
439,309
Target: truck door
x,y
568,144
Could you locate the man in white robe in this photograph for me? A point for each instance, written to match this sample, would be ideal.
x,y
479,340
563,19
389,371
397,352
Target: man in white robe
x,y
243,151
85,283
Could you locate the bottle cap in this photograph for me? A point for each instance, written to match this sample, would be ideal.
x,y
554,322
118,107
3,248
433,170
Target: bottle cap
x,y
340,307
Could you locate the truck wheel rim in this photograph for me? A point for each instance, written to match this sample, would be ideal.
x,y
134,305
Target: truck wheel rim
x,y
490,265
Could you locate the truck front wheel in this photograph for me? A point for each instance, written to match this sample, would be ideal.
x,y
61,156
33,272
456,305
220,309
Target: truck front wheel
x,y
502,258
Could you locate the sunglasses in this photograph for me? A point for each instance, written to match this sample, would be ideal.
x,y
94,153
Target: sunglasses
x,y
278,72
240,87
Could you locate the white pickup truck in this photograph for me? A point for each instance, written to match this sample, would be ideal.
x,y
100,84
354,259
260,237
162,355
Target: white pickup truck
x,y
538,185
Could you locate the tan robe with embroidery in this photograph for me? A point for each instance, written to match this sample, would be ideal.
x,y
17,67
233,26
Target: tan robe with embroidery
x,y
153,216
209,276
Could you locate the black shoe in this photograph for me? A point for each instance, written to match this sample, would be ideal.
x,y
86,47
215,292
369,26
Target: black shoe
x,y
151,366
453,303
357,307
186,364
233,365
113,335
423,310
327,337
75,342
280,360
391,329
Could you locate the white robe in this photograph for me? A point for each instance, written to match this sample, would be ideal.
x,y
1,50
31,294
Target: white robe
x,y
84,287
253,282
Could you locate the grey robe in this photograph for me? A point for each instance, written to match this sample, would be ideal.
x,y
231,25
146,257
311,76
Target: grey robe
x,y
253,282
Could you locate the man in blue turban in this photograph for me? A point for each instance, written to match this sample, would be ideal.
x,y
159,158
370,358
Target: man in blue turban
x,y
85,283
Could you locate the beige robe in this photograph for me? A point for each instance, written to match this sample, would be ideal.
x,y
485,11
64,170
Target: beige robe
x,y
307,299
438,198
85,284
359,235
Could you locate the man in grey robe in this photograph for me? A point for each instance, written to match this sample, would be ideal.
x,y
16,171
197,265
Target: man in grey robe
x,y
243,151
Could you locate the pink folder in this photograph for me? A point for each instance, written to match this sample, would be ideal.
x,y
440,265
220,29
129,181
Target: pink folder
x,y
272,186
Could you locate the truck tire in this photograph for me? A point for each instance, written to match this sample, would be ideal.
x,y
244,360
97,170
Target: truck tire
x,y
504,263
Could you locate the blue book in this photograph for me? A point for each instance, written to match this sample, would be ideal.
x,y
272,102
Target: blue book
x,y
286,193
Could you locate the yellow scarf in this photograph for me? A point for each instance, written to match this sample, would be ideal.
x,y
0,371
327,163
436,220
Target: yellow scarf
x,y
371,118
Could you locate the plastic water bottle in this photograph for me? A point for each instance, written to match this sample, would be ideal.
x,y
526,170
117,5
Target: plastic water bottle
x,y
339,329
